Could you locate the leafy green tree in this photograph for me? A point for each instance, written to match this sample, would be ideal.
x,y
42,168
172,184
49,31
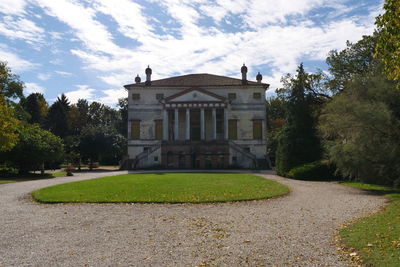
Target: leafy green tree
x,y
100,114
356,59
57,120
35,104
35,148
388,43
298,142
10,85
102,143
8,126
361,126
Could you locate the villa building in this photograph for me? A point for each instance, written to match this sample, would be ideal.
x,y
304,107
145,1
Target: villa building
x,y
195,121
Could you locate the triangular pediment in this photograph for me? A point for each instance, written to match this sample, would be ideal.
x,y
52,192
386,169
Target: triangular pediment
x,y
194,95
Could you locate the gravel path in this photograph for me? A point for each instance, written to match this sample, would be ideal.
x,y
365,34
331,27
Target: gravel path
x,y
294,230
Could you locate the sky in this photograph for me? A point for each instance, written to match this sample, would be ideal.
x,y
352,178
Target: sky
x,y
90,49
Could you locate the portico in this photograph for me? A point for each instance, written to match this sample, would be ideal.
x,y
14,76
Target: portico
x,y
195,114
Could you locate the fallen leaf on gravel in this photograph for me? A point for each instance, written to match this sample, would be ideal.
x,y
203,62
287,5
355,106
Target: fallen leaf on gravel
x,y
353,254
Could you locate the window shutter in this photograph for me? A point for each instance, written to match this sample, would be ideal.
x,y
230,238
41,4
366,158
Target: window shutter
x,y
135,129
257,129
232,132
159,130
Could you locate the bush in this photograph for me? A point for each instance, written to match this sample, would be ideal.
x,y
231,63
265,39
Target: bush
x,y
69,169
317,171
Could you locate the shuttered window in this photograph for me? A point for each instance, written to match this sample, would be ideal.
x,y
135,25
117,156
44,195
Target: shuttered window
x,y
135,129
158,129
257,95
257,129
232,129
231,95
135,96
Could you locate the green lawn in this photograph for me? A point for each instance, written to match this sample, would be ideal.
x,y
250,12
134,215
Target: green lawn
x,y
164,187
377,238
30,176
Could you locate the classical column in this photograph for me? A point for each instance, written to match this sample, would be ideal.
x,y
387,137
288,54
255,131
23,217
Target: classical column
x,y
226,120
187,124
214,124
176,128
202,128
165,124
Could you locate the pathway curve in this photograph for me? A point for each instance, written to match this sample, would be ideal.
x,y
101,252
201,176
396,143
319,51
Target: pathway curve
x,y
294,230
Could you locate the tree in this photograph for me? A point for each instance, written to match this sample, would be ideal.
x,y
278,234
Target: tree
x,y
10,85
123,111
388,43
276,114
8,126
361,126
57,120
298,142
102,143
35,148
99,114
356,59
36,105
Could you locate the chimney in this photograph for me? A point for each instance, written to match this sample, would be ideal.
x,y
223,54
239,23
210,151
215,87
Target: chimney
x,y
243,70
148,75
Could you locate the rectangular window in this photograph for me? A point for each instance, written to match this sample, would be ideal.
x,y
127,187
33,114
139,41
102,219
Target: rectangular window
x,y
159,96
135,129
135,96
232,129
257,95
156,159
257,129
158,130
231,95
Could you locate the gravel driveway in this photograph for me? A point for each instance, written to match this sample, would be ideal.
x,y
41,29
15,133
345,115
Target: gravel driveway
x,y
294,230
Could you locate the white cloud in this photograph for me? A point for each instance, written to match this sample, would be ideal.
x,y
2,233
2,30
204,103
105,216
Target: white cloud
x,y
84,92
63,73
15,7
16,63
132,24
33,88
111,96
90,32
44,76
21,28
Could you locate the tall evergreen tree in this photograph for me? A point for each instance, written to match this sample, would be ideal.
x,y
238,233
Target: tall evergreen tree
x,y
298,143
58,121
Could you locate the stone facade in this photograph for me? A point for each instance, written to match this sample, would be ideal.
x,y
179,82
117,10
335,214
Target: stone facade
x,y
200,121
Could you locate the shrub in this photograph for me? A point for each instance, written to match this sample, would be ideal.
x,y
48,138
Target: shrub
x,y
69,169
317,171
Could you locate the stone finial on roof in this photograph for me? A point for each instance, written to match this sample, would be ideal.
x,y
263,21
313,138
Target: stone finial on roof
x,y
243,70
259,77
148,70
137,79
148,75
